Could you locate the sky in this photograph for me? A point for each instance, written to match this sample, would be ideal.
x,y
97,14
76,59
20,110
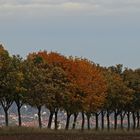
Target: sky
x,y
104,31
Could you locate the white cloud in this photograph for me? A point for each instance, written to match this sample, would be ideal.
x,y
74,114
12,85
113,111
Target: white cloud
x,y
71,7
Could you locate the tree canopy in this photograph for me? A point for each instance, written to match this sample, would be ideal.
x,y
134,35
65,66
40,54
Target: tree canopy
x,y
71,84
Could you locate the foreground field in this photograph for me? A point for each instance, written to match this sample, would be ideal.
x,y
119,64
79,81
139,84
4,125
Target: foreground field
x,y
36,134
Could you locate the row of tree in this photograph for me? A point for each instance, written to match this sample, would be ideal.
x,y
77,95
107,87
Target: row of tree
x,y
74,85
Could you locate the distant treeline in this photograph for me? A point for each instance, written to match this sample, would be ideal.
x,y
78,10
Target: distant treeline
x,y
71,84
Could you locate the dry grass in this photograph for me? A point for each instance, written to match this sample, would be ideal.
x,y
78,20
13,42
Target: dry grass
x,y
23,133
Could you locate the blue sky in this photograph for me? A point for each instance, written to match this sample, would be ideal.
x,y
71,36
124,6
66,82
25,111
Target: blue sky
x,y
105,31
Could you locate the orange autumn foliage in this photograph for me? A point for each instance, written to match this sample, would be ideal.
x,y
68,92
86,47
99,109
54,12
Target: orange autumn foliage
x,y
89,80
84,76
52,58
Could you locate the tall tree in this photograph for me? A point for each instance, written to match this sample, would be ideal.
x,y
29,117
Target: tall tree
x,y
35,83
6,81
132,79
18,89
57,82
90,83
57,89
118,95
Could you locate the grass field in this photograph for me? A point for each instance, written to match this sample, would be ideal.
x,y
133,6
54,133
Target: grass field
x,y
16,133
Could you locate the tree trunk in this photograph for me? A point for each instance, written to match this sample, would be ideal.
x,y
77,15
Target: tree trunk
x,y
19,116
74,121
108,121
83,121
50,119
19,105
6,117
121,116
128,120
115,120
6,105
102,119
134,120
138,119
88,120
39,117
68,121
56,121
97,124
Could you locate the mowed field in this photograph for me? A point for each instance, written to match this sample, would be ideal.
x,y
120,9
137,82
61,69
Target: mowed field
x,y
35,134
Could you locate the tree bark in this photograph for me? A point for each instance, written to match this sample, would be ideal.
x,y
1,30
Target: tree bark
x,y
74,121
97,124
138,119
108,120
88,120
39,117
83,121
19,105
115,120
102,119
122,117
19,116
6,117
68,121
128,120
50,119
134,120
6,105
56,121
